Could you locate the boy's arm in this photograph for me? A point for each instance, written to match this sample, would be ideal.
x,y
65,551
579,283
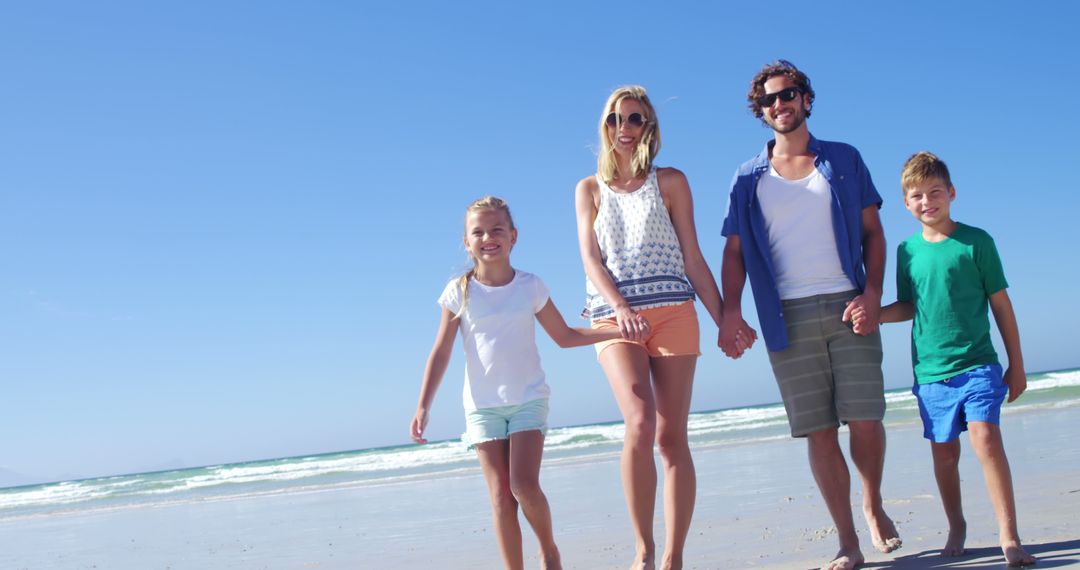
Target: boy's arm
x,y
1015,377
437,362
898,312
552,320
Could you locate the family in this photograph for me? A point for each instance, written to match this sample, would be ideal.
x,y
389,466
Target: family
x,y
803,225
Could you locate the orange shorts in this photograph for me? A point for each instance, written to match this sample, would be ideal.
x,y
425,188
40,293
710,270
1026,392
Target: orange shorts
x,y
674,328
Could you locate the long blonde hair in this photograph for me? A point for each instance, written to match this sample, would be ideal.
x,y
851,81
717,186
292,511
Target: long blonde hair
x,y
485,203
648,147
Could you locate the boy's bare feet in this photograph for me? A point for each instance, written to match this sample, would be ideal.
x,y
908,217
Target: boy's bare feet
x,y
954,545
1015,554
883,533
846,560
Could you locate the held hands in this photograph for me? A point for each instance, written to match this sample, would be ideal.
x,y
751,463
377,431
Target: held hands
x,y
418,425
736,337
864,313
1016,380
632,326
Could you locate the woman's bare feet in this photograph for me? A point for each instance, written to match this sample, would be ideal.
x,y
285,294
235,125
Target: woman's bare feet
x,y
644,561
883,533
1015,554
846,560
954,545
551,561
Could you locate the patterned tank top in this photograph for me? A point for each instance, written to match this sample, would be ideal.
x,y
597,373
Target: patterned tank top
x,y
639,249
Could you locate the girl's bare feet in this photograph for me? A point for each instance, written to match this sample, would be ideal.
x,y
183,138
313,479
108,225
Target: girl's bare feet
x,y
1015,554
846,560
954,545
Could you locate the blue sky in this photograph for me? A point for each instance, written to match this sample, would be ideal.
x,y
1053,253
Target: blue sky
x,y
223,226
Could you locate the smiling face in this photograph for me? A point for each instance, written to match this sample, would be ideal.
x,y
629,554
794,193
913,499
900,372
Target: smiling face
x,y
489,235
929,201
784,116
624,134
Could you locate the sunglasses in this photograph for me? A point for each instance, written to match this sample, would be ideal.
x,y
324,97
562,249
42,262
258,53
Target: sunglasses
x,y
635,119
785,95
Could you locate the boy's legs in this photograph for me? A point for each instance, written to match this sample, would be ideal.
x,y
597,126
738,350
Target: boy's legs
x,y
986,440
947,472
495,463
526,451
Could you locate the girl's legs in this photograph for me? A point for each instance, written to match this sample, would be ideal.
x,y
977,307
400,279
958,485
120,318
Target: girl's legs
x,y
526,450
495,463
627,369
673,382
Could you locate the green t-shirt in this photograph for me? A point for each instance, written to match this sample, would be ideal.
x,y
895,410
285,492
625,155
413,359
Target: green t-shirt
x,y
950,283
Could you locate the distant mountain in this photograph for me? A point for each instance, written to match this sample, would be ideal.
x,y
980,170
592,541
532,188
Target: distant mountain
x,y
9,478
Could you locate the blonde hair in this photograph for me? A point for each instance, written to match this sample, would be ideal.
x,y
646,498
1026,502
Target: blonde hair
x,y
648,147
923,166
485,203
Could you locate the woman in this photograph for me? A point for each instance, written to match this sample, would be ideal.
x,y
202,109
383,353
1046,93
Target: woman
x,y
643,268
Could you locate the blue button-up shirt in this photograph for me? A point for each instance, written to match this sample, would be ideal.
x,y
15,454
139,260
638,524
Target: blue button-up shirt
x,y
852,191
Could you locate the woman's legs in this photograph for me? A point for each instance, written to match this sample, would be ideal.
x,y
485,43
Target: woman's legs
x,y
526,451
495,463
673,380
627,369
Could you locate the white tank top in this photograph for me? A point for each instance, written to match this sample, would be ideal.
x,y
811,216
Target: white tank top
x,y
798,220
639,249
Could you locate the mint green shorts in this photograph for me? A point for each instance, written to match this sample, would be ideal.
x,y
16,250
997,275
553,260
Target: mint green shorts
x,y
488,424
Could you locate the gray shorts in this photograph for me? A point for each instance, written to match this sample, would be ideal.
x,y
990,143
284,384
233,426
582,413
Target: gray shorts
x,y
827,374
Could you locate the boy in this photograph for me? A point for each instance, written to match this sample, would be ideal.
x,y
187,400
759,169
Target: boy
x,y
946,275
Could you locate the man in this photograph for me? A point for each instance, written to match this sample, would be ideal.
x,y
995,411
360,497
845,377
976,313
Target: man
x,y
803,224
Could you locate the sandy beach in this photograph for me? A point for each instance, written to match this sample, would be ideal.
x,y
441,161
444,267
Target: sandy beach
x,y
757,507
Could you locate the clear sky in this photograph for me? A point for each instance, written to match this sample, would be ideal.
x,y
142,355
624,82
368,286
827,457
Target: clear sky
x,y
223,226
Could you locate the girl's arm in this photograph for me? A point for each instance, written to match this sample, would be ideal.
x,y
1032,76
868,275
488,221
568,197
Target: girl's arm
x,y
1015,377
433,372
680,204
552,320
631,325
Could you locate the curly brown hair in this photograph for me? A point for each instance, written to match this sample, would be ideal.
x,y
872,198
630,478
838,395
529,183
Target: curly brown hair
x,y
778,67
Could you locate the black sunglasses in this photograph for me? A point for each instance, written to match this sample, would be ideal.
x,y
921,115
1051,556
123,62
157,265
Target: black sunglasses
x,y
785,95
635,119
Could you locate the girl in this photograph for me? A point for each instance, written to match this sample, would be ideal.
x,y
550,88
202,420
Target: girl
x,y
641,256
506,397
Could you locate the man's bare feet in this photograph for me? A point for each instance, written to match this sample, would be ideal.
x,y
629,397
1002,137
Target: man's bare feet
x,y
1015,554
883,533
954,545
846,560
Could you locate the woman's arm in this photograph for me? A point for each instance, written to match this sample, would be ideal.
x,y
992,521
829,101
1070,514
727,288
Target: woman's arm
x,y
433,372
585,204
680,204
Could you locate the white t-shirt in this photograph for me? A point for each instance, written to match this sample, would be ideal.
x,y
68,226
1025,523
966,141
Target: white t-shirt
x,y
798,220
498,331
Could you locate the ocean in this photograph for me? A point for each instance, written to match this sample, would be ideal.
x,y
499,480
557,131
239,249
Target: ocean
x,y
378,466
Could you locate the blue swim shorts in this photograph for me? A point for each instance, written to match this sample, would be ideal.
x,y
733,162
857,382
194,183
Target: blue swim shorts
x,y
487,424
947,406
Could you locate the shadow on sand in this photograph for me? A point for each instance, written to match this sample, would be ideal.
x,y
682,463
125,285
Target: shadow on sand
x,y
1050,555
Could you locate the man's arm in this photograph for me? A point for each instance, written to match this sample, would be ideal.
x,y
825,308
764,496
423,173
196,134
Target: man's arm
x,y
735,335
869,301
1015,377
